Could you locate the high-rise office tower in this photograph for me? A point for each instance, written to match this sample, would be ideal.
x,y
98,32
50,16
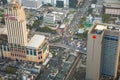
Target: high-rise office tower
x,y
16,0
103,48
16,24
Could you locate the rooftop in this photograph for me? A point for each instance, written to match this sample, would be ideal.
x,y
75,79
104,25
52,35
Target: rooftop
x,y
99,28
62,26
36,41
112,3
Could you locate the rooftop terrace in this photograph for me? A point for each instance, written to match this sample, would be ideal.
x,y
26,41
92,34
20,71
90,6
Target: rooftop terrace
x,y
99,28
36,41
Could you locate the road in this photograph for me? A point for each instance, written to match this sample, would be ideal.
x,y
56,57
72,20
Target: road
x,y
61,45
73,26
32,18
72,69
68,47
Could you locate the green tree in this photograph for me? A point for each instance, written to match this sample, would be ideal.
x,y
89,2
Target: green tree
x,y
10,70
46,29
106,18
83,19
90,11
29,26
81,26
53,53
49,5
36,24
85,34
119,16
30,15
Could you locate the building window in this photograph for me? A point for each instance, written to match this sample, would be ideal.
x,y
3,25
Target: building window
x,y
44,48
31,51
34,52
39,52
27,51
41,57
23,51
109,55
4,48
8,49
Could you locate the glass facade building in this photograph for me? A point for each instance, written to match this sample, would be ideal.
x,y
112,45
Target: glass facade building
x,y
110,46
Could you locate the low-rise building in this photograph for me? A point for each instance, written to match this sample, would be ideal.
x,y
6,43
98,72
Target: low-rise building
x,y
61,28
112,7
36,50
53,18
49,18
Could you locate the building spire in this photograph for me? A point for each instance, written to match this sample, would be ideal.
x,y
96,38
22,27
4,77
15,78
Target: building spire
x,y
13,1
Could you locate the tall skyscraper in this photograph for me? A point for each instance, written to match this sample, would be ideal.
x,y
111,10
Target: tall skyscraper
x,y
19,48
16,0
16,24
103,48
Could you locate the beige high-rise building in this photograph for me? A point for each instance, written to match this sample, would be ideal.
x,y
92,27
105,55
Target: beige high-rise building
x,y
103,48
16,24
19,48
